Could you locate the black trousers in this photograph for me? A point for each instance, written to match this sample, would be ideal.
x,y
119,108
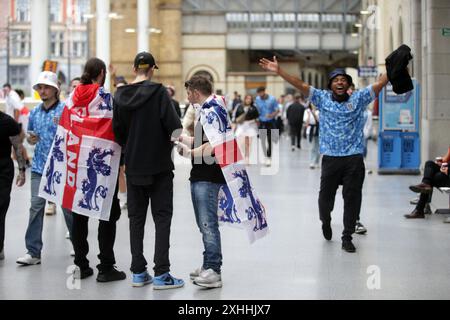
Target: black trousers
x,y
296,134
6,180
348,171
161,194
106,238
434,177
266,137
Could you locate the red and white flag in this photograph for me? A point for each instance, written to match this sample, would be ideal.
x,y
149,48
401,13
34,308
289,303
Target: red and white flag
x,y
238,204
82,167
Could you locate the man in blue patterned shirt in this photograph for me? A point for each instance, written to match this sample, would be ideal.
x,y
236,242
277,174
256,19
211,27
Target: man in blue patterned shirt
x,y
42,127
341,143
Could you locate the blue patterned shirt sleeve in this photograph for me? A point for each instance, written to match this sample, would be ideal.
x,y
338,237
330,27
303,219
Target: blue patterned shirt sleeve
x,y
364,97
315,96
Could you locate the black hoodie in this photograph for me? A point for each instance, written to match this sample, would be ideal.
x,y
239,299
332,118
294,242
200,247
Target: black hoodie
x,y
144,119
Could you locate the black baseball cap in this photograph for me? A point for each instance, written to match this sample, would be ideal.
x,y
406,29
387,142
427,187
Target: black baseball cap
x,y
144,60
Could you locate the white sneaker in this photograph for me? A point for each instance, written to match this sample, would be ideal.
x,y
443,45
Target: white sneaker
x,y
28,260
67,235
72,253
447,220
312,166
51,209
2,254
194,274
268,162
123,205
209,279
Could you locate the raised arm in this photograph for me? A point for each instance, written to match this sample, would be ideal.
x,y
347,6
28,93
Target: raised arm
x,y
274,67
379,85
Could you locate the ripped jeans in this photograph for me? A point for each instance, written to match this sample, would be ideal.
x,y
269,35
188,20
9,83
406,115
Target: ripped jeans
x,y
205,200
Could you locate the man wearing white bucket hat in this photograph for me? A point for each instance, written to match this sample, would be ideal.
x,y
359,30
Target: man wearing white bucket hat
x,y
42,127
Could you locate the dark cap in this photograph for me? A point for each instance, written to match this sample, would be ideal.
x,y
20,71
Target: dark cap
x,y
339,72
144,60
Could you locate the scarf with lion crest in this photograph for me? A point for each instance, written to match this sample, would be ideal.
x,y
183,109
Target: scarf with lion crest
x,y
238,204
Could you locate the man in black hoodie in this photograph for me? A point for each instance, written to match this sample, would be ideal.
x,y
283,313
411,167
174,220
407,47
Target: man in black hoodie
x,y
144,120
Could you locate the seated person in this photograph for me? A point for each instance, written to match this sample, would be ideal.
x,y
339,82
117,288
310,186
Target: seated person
x,y
435,175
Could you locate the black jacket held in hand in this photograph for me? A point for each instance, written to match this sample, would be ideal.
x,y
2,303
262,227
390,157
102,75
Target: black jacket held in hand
x,y
143,122
397,71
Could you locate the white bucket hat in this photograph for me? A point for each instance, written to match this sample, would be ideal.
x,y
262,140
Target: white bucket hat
x,y
49,78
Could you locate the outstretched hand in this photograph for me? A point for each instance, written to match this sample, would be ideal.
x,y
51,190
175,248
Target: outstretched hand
x,y
268,65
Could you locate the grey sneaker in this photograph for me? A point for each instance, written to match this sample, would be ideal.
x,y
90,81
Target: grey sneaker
x,y
194,274
28,260
360,229
209,279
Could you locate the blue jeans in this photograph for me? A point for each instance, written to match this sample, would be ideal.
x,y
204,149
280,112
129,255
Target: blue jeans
x,y
33,236
204,198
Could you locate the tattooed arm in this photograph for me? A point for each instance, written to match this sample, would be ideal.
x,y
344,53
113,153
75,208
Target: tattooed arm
x,y
17,146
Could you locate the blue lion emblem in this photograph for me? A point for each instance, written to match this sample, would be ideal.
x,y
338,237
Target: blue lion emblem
x,y
106,103
219,115
226,204
96,165
52,175
256,210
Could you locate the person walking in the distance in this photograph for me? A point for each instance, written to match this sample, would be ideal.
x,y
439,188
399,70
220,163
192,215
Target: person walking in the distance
x,y
268,109
294,115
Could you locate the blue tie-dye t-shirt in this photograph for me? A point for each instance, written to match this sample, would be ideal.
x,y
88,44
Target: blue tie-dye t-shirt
x,y
266,107
341,124
43,123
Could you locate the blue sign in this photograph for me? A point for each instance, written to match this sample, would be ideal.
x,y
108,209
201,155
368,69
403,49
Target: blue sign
x,y
399,140
400,112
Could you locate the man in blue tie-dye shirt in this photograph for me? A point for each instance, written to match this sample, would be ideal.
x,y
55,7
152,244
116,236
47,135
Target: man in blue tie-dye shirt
x,y
341,142
268,109
42,127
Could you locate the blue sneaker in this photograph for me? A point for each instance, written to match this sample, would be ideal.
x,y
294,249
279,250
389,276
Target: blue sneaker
x,y
141,279
166,281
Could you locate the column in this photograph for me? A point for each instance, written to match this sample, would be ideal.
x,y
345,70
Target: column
x,y
143,25
416,38
40,44
103,36
435,78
